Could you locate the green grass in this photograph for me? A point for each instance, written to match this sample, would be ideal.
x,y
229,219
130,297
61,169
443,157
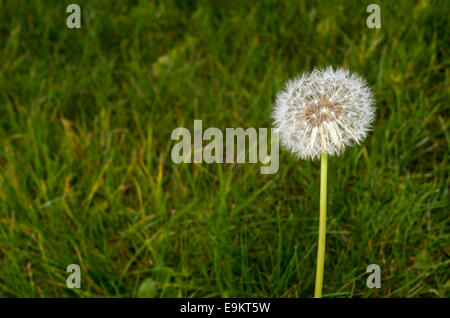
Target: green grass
x,y
86,175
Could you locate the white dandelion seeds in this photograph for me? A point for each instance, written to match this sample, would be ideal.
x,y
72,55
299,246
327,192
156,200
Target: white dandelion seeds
x,y
319,114
323,111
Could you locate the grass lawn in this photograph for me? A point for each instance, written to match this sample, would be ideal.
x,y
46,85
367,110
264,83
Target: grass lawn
x,y
86,176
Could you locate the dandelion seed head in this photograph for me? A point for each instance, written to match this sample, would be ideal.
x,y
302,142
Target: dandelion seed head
x,y
323,110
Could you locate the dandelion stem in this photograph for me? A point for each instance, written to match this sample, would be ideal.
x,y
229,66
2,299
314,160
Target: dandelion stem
x,y
322,226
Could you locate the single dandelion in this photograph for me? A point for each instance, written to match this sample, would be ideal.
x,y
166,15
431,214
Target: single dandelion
x,y
318,114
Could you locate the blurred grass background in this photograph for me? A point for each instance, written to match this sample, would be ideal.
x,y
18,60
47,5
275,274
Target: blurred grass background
x,y
85,169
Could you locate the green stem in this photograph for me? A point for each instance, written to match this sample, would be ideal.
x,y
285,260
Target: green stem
x,y
322,226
